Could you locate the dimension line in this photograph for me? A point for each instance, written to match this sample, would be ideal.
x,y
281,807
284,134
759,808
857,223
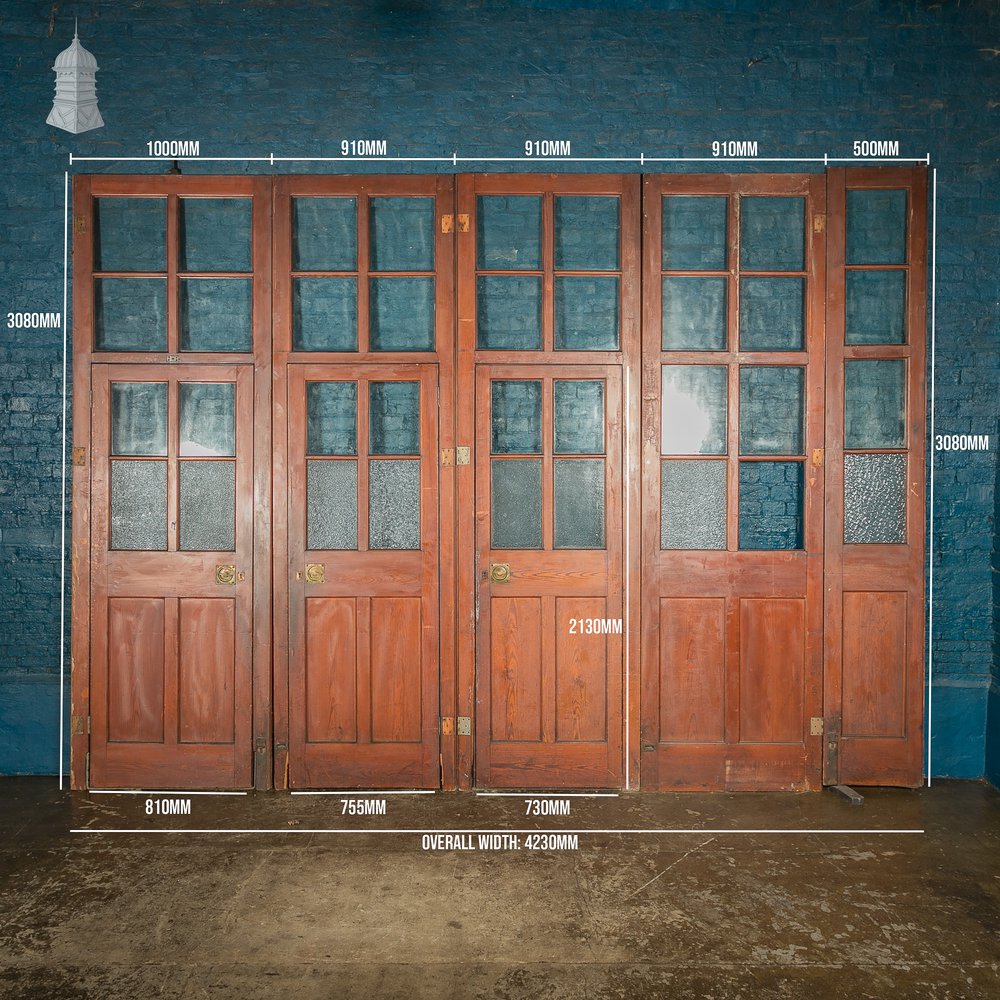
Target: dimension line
x,y
174,791
347,793
549,795
691,832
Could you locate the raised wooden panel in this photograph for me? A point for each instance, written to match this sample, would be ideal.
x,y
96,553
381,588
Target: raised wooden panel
x,y
581,671
206,670
516,674
331,670
395,669
692,670
135,669
772,650
874,677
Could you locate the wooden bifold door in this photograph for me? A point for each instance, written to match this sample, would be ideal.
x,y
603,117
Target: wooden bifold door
x,y
511,481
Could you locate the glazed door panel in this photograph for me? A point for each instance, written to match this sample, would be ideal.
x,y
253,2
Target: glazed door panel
x,y
362,576
549,591
172,572
732,520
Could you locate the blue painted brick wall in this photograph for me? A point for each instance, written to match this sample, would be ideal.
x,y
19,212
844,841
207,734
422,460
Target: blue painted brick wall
x,y
258,76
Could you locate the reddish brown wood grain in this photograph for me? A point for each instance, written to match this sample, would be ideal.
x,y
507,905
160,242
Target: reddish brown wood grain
x,y
331,664
206,670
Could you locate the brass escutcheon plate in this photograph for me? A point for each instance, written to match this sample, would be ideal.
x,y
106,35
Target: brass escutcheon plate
x,y
226,574
315,572
500,572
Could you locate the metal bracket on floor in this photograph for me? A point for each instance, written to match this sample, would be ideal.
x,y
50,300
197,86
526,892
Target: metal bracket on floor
x,y
855,798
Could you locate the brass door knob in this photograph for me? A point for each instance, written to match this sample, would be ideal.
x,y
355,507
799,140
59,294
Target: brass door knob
x,y
226,575
500,572
315,572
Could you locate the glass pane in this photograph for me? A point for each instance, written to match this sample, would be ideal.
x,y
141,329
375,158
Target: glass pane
x,y
586,233
772,314
693,409
516,501
578,486
772,409
130,234
875,404
402,234
208,418
331,504
130,314
694,314
215,314
876,307
874,499
772,234
215,234
208,506
516,419
138,418
332,418
692,505
586,314
324,234
393,504
138,505
325,314
394,408
402,314
509,232
770,505
876,227
509,313
694,233
579,418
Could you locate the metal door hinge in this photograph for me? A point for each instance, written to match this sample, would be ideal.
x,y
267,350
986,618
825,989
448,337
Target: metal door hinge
x,y
447,726
447,223
819,223
79,456
463,456
80,224
76,726
464,725
447,456
815,726
817,456
463,223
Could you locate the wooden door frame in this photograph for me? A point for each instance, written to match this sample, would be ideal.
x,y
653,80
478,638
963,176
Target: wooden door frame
x,y
441,188
627,188
85,189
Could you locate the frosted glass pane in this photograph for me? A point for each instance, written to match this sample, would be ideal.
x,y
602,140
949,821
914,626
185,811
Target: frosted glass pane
x,y
509,313
130,314
694,233
332,418
692,505
579,417
770,508
208,418
215,234
772,410
138,418
208,506
509,232
586,233
216,314
875,404
694,314
876,307
402,314
772,314
586,314
874,499
516,419
331,504
324,234
402,234
325,314
772,233
876,227
130,234
394,409
693,409
394,504
138,505
579,503
516,501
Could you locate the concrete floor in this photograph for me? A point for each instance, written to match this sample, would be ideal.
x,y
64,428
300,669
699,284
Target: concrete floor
x,y
299,915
